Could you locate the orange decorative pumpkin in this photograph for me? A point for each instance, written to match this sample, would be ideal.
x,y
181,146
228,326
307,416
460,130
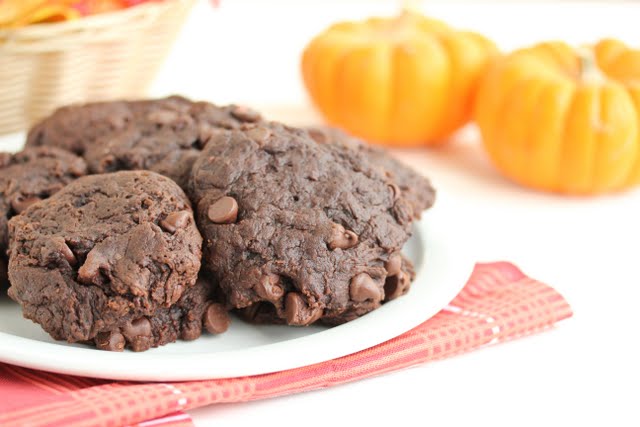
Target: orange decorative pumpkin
x,y
407,80
562,119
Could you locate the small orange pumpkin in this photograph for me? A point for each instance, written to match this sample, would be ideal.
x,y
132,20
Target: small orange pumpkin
x,y
565,120
407,80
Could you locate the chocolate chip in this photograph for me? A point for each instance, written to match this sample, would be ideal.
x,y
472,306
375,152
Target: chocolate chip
x,y
191,331
341,238
395,286
402,211
363,287
97,258
223,211
55,251
297,312
20,203
117,121
162,117
110,341
77,168
205,133
175,221
269,287
249,313
245,114
318,135
395,191
108,163
394,264
68,254
138,328
138,333
216,319
294,305
258,134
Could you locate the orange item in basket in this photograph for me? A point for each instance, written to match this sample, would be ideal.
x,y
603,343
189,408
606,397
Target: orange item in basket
x,y
19,13
565,120
406,80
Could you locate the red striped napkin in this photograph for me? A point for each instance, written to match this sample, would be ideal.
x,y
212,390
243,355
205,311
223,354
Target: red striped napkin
x,y
498,303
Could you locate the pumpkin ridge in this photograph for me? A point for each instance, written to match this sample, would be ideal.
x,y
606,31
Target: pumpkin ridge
x,y
599,128
502,135
618,142
333,99
564,58
578,155
606,59
528,143
458,85
321,71
634,173
436,129
550,137
359,108
627,67
558,186
564,111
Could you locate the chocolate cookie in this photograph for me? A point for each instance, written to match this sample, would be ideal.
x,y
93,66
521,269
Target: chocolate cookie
x,y
74,127
103,256
400,275
163,135
308,228
413,186
30,176
164,139
194,312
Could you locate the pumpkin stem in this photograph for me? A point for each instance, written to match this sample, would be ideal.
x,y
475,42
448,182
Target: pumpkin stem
x,y
589,70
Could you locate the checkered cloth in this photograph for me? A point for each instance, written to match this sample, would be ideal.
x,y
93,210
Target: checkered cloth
x,y
498,303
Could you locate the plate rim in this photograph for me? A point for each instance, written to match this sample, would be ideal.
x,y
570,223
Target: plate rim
x,y
145,366
434,243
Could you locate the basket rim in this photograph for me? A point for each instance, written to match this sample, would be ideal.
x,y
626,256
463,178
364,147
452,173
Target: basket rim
x,y
101,20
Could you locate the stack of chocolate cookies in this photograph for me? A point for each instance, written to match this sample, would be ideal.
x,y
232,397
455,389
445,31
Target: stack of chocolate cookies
x,y
134,224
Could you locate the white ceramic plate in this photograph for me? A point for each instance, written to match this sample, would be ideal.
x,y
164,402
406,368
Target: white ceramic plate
x,y
244,349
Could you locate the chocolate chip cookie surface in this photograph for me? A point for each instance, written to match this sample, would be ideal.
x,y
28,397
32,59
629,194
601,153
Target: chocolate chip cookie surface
x,y
163,135
300,229
400,275
164,138
194,313
413,186
74,127
103,255
29,176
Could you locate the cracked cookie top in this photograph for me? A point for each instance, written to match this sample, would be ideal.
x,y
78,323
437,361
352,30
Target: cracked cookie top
x,y
414,187
165,138
74,127
163,135
305,230
31,175
102,252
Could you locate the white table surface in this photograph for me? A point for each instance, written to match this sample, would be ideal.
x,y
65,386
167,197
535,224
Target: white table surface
x,y
583,371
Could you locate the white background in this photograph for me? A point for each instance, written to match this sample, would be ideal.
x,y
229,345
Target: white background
x,y
584,371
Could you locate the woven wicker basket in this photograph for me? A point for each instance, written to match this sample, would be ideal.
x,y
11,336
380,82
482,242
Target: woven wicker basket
x,y
114,55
